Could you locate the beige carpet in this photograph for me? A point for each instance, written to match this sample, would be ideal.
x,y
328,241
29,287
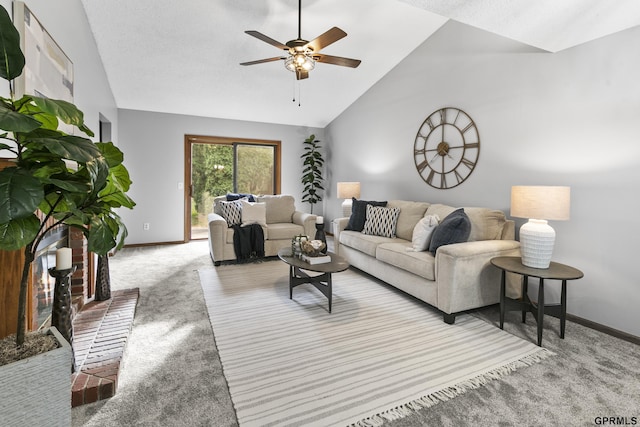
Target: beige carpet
x,y
379,356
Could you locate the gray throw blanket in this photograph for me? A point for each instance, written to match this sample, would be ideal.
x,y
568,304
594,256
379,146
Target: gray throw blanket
x,y
248,242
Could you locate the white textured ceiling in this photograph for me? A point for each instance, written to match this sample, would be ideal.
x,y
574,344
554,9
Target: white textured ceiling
x,y
183,57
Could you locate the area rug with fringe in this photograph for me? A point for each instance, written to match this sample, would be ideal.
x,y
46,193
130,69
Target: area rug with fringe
x,y
378,356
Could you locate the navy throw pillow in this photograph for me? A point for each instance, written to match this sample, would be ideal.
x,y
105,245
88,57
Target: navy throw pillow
x,y
237,196
455,228
359,213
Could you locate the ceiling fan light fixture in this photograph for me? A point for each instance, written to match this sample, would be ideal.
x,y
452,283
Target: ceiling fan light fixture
x,y
300,61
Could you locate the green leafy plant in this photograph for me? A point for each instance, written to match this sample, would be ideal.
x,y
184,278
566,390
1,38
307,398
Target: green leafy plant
x,y
69,179
312,171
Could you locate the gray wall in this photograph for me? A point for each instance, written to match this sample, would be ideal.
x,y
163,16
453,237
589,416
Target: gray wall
x,y
153,145
569,118
67,23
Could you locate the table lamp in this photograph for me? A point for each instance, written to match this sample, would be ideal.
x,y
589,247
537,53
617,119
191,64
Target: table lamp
x,y
347,190
539,204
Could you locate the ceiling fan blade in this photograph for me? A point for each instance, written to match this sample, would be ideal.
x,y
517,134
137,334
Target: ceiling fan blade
x,y
266,39
262,61
300,74
325,39
337,60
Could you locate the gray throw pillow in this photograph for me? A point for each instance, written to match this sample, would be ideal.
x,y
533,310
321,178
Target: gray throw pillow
x,y
455,228
359,213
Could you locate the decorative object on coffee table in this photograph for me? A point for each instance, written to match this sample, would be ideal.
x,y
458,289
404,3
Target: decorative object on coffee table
x,y
348,191
556,271
539,204
320,234
313,252
321,282
446,148
296,245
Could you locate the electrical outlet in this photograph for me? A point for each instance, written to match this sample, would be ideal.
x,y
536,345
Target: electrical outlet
x,y
146,226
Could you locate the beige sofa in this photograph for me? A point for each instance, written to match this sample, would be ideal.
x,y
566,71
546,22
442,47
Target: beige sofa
x,y
283,222
458,278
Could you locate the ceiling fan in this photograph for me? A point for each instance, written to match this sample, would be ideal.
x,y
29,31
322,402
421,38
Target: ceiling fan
x,y
302,54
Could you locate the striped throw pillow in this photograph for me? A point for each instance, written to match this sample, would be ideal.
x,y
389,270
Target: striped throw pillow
x,y
381,221
231,212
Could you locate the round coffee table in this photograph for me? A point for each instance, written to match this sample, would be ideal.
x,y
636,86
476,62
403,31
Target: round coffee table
x,y
321,282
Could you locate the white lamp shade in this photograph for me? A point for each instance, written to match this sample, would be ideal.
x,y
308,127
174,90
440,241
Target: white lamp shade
x,y
541,202
347,190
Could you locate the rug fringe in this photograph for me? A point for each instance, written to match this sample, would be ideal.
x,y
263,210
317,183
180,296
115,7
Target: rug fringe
x,y
448,393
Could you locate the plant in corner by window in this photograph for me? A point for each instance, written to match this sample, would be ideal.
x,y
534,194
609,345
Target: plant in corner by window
x,y
84,195
312,171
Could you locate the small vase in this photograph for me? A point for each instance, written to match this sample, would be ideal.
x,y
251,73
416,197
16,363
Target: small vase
x,y
103,281
320,235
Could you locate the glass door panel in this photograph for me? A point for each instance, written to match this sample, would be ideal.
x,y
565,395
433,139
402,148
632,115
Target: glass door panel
x,y
255,169
211,176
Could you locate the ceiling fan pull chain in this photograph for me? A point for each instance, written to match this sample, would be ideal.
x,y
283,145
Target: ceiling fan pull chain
x,y
294,92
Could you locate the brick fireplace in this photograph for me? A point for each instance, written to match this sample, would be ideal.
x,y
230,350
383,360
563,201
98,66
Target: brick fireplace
x,y
40,286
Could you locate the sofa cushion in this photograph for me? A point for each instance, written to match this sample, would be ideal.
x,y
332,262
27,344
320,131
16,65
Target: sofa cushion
x,y
280,208
359,213
253,213
486,224
455,228
422,233
363,242
398,255
231,212
441,210
284,231
410,214
381,221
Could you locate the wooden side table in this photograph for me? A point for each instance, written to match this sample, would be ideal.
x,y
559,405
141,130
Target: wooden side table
x,y
556,271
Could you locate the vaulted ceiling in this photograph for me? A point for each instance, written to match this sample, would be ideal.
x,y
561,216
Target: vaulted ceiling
x,y
183,57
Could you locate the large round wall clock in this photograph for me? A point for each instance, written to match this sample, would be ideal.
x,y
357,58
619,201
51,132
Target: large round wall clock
x,y
446,148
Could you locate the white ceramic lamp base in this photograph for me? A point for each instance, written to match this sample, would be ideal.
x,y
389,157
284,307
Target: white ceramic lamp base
x,y
536,243
346,207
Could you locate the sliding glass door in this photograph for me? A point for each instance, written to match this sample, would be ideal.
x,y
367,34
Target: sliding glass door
x,y
218,166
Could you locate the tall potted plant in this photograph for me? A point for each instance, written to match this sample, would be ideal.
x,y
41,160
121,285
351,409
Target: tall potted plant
x,y
312,171
69,179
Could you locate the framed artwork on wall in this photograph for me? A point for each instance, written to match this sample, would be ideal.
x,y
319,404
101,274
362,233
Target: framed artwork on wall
x,y
48,71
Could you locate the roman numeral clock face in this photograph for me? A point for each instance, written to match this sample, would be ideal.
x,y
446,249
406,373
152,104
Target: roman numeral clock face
x,y
447,147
